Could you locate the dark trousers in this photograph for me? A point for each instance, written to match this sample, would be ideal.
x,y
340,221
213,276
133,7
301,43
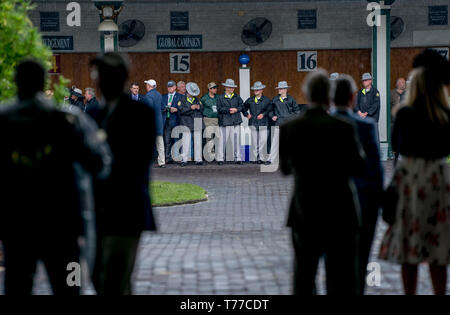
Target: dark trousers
x,y
116,256
168,141
22,255
369,222
341,265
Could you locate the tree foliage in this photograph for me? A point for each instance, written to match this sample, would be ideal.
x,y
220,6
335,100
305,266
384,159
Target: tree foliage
x,y
19,40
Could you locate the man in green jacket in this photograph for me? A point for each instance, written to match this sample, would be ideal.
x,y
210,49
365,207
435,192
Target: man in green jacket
x,y
210,116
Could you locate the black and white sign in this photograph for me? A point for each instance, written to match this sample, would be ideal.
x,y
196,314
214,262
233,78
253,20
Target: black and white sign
x,y
307,19
180,63
438,15
179,42
306,61
179,21
49,21
443,51
58,42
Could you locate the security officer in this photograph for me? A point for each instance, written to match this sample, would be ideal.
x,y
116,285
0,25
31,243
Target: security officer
x,y
257,109
191,115
285,107
230,106
368,102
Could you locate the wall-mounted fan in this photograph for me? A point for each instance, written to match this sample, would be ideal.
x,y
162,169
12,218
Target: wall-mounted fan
x,y
131,32
256,31
397,26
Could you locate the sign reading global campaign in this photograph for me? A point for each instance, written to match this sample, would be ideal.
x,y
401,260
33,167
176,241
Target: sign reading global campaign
x,y
179,41
58,42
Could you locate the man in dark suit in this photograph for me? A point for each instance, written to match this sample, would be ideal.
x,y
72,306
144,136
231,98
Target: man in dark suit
x,y
123,204
169,107
40,214
370,186
323,153
134,93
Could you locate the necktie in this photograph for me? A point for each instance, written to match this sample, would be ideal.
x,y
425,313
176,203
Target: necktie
x,y
170,101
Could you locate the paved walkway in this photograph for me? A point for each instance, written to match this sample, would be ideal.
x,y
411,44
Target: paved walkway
x,y
235,243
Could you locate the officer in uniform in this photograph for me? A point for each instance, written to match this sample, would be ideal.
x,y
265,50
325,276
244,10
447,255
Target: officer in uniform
x,y
257,109
368,101
285,107
230,106
191,115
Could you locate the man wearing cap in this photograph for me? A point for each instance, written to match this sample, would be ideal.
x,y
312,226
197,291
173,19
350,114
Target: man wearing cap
x,y
169,108
368,101
154,100
191,116
76,98
285,107
230,106
257,109
210,113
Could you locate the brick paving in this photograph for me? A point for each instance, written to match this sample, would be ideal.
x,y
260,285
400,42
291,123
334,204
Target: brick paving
x,y
235,243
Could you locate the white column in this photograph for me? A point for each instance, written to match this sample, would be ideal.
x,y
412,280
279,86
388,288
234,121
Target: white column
x,y
382,84
244,92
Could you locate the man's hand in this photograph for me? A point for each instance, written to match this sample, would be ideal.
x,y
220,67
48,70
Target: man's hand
x,y
360,114
193,107
173,110
249,116
260,116
233,110
274,118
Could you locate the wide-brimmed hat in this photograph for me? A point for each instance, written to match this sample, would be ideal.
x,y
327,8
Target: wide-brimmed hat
x,y
192,88
334,76
366,76
77,92
282,85
229,83
258,86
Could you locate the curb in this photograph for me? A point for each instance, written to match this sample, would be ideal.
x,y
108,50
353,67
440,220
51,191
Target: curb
x,y
180,203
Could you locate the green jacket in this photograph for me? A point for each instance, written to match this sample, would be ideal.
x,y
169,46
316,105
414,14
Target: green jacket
x,y
209,106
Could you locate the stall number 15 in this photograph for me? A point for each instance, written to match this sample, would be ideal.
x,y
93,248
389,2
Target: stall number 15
x,y
180,63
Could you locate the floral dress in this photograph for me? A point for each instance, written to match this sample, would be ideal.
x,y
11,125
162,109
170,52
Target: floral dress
x,y
421,232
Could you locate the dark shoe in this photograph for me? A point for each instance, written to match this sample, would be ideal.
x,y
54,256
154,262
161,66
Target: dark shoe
x,y
183,164
239,162
220,163
267,163
198,163
162,166
259,162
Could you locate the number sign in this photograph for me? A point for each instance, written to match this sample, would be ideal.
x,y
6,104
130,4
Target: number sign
x,y
306,61
180,63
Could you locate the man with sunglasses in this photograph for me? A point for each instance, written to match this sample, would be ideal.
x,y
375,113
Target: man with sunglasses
x,y
210,114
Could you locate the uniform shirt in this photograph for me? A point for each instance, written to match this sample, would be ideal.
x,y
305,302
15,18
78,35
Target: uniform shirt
x,y
224,103
284,109
187,114
369,102
210,106
255,107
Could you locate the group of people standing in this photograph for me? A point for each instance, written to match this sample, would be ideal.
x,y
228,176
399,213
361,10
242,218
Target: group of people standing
x,y
339,181
45,153
184,112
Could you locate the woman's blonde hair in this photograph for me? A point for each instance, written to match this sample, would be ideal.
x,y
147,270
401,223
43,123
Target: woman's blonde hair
x,y
426,95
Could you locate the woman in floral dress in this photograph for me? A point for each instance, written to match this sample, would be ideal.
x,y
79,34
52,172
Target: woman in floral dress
x,y
421,232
